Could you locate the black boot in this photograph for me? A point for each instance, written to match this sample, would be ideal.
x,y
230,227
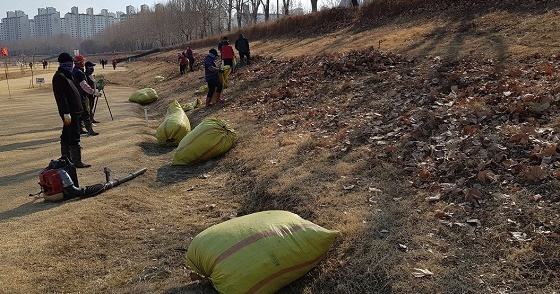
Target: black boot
x,y
65,150
83,129
89,127
76,152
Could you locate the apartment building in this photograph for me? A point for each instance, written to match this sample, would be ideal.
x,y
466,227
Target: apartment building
x,y
46,22
16,25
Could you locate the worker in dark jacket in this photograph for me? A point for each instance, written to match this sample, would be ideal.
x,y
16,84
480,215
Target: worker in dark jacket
x,y
90,68
69,105
190,56
242,45
211,71
78,72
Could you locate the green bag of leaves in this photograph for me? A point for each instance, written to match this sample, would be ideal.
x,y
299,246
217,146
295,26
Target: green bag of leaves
x,y
174,127
192,105
202,89
258,253
211,138
144,96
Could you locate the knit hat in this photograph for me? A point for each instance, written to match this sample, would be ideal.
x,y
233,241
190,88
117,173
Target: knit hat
x,y
89,64
79,58
213,51
64,57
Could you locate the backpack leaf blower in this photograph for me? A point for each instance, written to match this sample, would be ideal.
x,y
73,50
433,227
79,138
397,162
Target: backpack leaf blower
x,y
59,181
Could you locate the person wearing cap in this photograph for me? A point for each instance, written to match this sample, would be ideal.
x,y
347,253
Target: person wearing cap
x,y
242,45
85,90
69,105
222,43
211,71
93,84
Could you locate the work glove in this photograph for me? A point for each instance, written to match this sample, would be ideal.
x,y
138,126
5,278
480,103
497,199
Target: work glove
x,y
96,93
67,119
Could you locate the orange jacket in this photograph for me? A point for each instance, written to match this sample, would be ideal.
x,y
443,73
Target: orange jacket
x,y
227,52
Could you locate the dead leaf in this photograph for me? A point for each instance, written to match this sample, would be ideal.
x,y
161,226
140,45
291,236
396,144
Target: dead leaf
x,y
487,176
433,198
519,236
534,173
195,276
473,195
550,150
348,187
419,272
441,214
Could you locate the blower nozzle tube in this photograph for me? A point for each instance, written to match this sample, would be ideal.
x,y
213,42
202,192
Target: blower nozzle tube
x,y
114,183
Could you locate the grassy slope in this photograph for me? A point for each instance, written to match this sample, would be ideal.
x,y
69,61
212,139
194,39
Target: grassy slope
x,y
285,160
330,137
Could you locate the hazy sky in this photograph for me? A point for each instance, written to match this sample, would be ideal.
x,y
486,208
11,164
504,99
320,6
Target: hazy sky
x,y
63,6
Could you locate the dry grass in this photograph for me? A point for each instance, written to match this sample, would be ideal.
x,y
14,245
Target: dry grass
x,y
132,239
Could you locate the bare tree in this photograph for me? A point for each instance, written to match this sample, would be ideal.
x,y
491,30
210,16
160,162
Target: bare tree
x,y
254,10
229,12
286,7
266,6
314,5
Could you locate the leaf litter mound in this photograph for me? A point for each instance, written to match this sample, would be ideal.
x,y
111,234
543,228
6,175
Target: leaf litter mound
x,y
471,146
475,139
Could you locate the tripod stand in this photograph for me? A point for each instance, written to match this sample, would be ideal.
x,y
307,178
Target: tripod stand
x,y
101,87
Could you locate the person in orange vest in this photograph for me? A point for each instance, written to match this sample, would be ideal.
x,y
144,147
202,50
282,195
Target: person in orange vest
x,y
227,54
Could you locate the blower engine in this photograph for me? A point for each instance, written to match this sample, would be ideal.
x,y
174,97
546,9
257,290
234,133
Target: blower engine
x,y
59,181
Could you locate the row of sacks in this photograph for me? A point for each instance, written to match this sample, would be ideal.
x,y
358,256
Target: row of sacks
x,y
211,138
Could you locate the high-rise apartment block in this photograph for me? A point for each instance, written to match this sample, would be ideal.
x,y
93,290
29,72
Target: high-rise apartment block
x,y
16,25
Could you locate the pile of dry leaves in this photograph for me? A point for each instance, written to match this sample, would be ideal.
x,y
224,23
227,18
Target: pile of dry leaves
x,y
466,131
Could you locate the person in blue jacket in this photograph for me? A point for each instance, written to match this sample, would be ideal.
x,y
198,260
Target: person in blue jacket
x,y
211,71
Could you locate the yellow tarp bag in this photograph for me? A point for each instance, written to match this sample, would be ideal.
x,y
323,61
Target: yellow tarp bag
x,y
211,138
192,105
174,127
144,96
202,89
258,253
224,76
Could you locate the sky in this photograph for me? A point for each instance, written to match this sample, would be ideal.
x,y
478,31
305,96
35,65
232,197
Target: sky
x,y
63,6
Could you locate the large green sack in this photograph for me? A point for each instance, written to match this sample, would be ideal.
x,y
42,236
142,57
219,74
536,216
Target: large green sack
x,y
174,127
258,253
144,96
211,138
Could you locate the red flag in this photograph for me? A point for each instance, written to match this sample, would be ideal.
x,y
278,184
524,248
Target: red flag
x,y
4,51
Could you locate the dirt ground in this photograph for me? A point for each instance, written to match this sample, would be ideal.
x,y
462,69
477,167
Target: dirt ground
x,y
30,139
